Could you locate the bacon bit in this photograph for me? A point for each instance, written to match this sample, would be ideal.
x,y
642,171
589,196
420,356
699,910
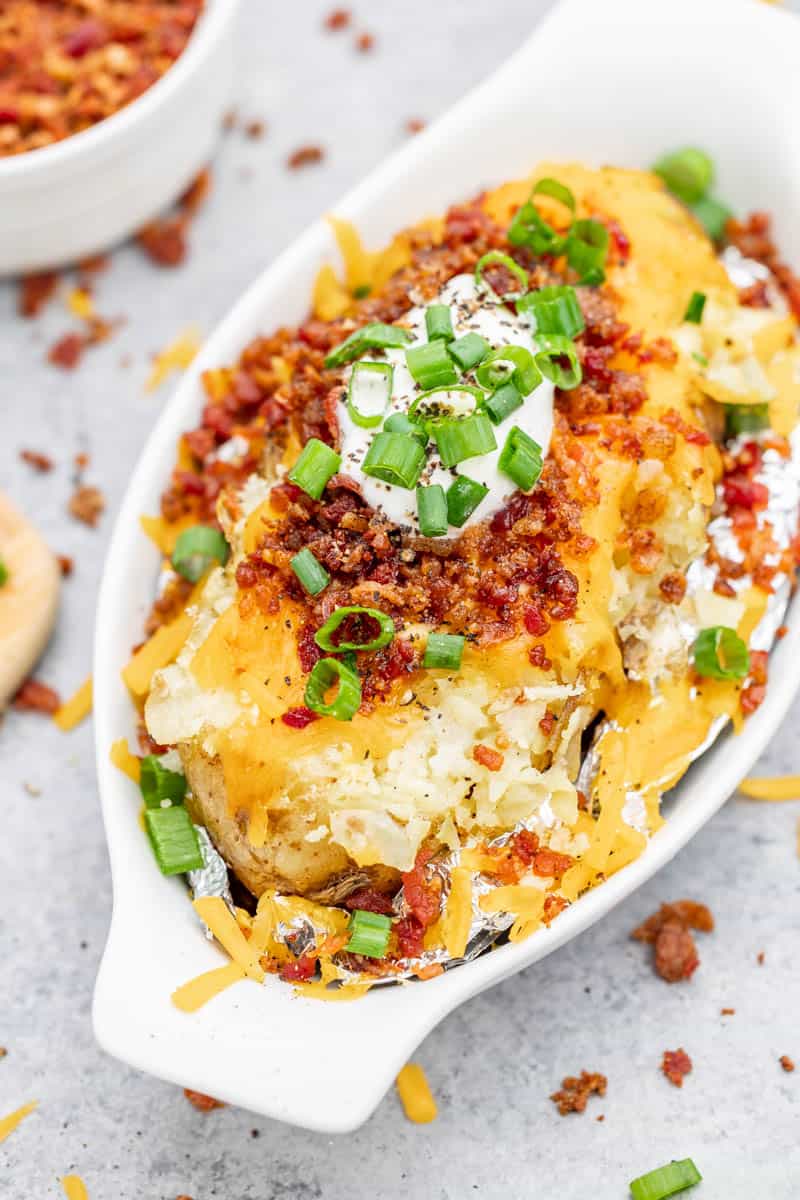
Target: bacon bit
x,y
786,1062
369,899
675,957
430,971
675,1065
689,433
553,905
548,862
65,564
365,42
781,632
423,896
94,264
622,244
487,757
741,492
196,194
673,587
255,129
727,1012
39,462
688,913
548,723
67,351
164,240
86,504
535,620
575,1092
81,460
299,718
760,957
35,291
202,1102
339,18
538,658
415,125
34,696
305,156
409,933
300,969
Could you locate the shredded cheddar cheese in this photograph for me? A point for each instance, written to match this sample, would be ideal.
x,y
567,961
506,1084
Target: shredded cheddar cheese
x,y
124,761
76,709
193,994
217,916
782,787
74,1188
415,1095
175,357
165,533
160,650
80,304
9,1124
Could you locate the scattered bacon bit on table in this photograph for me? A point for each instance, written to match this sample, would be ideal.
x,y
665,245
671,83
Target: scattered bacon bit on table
x,y
760,958
727,1012
86,504
338,18
67,351
35,696
202,1102
34,458
35,291
786,1062
66,564
415,125
365,42
255,129
576,1090
667,931
753,238
488,757
305,156
164,239
675,1064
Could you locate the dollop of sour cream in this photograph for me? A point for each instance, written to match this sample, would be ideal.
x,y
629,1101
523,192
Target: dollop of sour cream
x,y
471,312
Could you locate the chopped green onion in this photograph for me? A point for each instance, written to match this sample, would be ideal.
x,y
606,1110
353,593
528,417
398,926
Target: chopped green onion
x,y
553,349
324,636
688,173
694,309
369,392
464,399
556,191
400,423
468,351
159,784
196,549
521,459
496,258
463,497
315,466
431,365
396,458
375,336
529,227
323,675
719,653
362,291
465,437
556,310
369,933
700,358
502,403
310,571
432,510
745,418
713,216
510,362
438,322
174,839
665,1181
444,651
4,574
587,247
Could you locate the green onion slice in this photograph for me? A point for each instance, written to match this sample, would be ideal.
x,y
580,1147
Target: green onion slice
x,y
467,351
174,839
502,403
529,227
463,497
431,365
375,336
196,549
441,403
555,309
553,350
745,418
521,459
310,571
324,675
396,458
324,636
694,309
466,437
315,466
587,247
369,392
665,1181
432,510
688,173
401,423
719,653
4,573
438,322
496,258
713,215
443,651
369,933
510,362
160,786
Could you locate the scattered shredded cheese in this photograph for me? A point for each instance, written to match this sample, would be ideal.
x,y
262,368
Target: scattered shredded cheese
x,y
74,1188
175,357
165,533
76,709
783,787
158,651
80,304
458,913
192,995
415,1094
9,1124
217,916
124,761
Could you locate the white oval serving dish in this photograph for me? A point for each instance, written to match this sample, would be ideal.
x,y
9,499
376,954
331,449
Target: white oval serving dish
x,y
83,194
597,82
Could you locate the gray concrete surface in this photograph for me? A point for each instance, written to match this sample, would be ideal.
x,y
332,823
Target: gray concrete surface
x,y
595,1004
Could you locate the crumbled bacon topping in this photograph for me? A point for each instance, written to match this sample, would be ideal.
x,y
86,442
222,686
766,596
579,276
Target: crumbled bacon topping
x,y
668,931
35,291
786,1062
35,696
305,156
675,1065
576,1090
34,458
202,1102
87,504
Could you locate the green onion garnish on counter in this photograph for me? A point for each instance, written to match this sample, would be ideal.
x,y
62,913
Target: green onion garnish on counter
x,y
665,1181
515,363
521,459
369,933
463,497
160,786
443,651
432,510
556,310
431,365
4,573
401,423
502,403
688,173
369,392
310,571
745,418
553,350
467,351
463,437
324,636
719,653
324,675
694,309
174,840
315,466
587,247
439,323
496,258
396,458
375,336
196,549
